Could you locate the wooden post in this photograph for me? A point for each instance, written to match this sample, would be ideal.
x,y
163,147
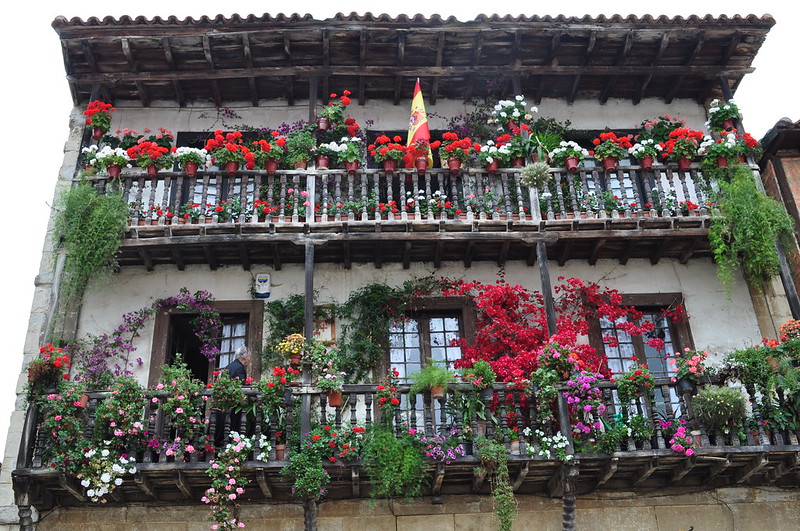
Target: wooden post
x,y
547,289
305,406
312,98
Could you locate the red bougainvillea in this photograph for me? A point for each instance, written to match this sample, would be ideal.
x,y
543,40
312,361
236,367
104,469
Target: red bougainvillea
x,y
511,324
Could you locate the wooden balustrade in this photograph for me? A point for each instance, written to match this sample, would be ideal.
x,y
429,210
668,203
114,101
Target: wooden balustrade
x,y
406,195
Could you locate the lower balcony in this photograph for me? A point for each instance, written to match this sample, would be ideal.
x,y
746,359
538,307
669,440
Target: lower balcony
x,y
374,217
745,455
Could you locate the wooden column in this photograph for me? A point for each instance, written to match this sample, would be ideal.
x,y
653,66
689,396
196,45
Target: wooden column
x,y
312,98
305,406
787,280
547,289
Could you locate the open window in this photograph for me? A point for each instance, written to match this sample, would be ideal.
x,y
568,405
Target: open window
x,y
174,333
428,331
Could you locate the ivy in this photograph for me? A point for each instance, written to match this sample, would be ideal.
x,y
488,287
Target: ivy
x,y
744,232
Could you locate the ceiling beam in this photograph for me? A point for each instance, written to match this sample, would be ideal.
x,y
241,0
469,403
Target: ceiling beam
x,y
248,60
210,64
90,60
287,61
469,88
176,84
401,53
439,59
620,61
656,59
701,38
126,50
585,61
362,64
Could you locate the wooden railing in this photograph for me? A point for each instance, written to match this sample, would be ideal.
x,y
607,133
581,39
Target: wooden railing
x,y
423,415
406,195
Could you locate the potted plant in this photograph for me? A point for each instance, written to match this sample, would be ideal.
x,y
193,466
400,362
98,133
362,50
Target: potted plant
x,y
510,113
387,151
292,348
434,377
633,383
46,371
394,463
646,151
300,145
482,377
689,368
228,151
444,447
350,153
270,153
682,146
568,155
716,154
98,118
659,128
420,153
191,212
457,150
721,115
333,114
518,143
610,148
716,406
151,156
226,392
493,154
112,160
535,176
190,159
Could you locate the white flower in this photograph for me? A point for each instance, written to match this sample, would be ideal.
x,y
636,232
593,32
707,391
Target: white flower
x,y
106,477
534,109
118,482
519,98
85,483
104,452
90,493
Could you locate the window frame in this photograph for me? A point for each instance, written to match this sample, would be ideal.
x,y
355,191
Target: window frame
x,y
253,308
680,333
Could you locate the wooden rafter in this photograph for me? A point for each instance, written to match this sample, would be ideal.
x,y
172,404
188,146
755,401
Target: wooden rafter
x,y
620,61
400,61
608,472
287,60
248,60
263,484
646,471
701,39
362,64
210,65
476,61
326,62
585,61
181,481
176,84
439,58
662,47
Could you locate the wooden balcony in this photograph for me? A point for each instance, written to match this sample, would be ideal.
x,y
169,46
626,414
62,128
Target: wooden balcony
x,y
436,216
761,458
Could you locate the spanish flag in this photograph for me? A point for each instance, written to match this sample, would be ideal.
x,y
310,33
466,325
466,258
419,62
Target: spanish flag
x,y
418,124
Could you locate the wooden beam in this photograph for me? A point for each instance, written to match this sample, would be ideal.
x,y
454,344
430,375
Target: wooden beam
x,y
783,468
469,254
362,63
437,254
176,84
183,485
378,255
263,484
546,288
722,464
355,483
531,256
326,61
469,88
347,259
731,49
478,477
654,62
126,50
608,472
555,486
620,60
177,256
145,485
248,60
565,252
407,255
555,42
210,64
646,471
146,258
86,47
398,79
276,257
625,255
523,472
71,485
287,61
688,251
659,252
245,258
438,479
503,256
598,246
439,57
682,469
701,37
756,464
211,257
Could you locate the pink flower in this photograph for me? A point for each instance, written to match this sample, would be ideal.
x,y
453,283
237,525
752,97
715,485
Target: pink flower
x,y
58,417
178,410
689,451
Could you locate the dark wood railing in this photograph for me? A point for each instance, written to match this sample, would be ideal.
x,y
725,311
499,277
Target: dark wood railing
x,y
472,194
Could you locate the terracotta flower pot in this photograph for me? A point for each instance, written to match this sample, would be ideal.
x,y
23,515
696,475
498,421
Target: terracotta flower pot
x,y
113,170
389,165
231,168
722,162
437,392
727,124
271,165
684,163
571,164
323,123
280,452
191,168
335,399
491,167
454,164
152,170
301,165
97,133
518,162
421,163
294,359
323,161
351,167
742,158
647,162
609,163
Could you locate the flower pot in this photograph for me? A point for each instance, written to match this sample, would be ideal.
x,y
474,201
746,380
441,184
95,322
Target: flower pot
x,y
491,167
609,163
437,392
323,123
152,170
334,399
351,167
295,359
697,438
280,452
97,133
191,168
742,158
647,162
518,162
231,168
722,162
389,165
82,402
514,444
454,164
684,163
301,165
113,170
511,125
727,124
685,385
271,165
421,164
480,428
323,161
571,164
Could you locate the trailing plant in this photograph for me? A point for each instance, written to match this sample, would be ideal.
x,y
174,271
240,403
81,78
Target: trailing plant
x,y
90,226
635,382
431,375
62,430
227,392
494,460
744,231
120,416
394,464
444,447
184,405
47,371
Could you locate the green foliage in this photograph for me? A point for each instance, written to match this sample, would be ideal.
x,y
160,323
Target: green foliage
x,y
62,430
744,232
119,416
227,393
90,226
299,145
284,318
395,464
716,406
431,375
494,459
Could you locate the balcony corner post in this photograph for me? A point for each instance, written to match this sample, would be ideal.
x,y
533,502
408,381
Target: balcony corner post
x,y
22,497
305,407
547,289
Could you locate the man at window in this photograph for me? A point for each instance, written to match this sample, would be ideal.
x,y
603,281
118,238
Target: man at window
x,y
238,367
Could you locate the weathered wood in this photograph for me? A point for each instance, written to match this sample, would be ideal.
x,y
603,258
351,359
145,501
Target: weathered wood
x,y
438,479
555,486
608,471
263,484
521,475
478,478
646,471
355,483
181,481
756,464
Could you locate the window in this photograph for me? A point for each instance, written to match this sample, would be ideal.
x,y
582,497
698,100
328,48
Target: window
x,y
427,333
173,333
676,335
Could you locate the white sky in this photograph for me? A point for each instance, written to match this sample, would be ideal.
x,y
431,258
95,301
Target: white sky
x,y
38,104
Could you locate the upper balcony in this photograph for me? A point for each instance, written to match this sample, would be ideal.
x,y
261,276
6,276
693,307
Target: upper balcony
x,y
407,216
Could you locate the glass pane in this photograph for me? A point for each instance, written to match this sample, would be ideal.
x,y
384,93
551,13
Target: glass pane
x,y
436,324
